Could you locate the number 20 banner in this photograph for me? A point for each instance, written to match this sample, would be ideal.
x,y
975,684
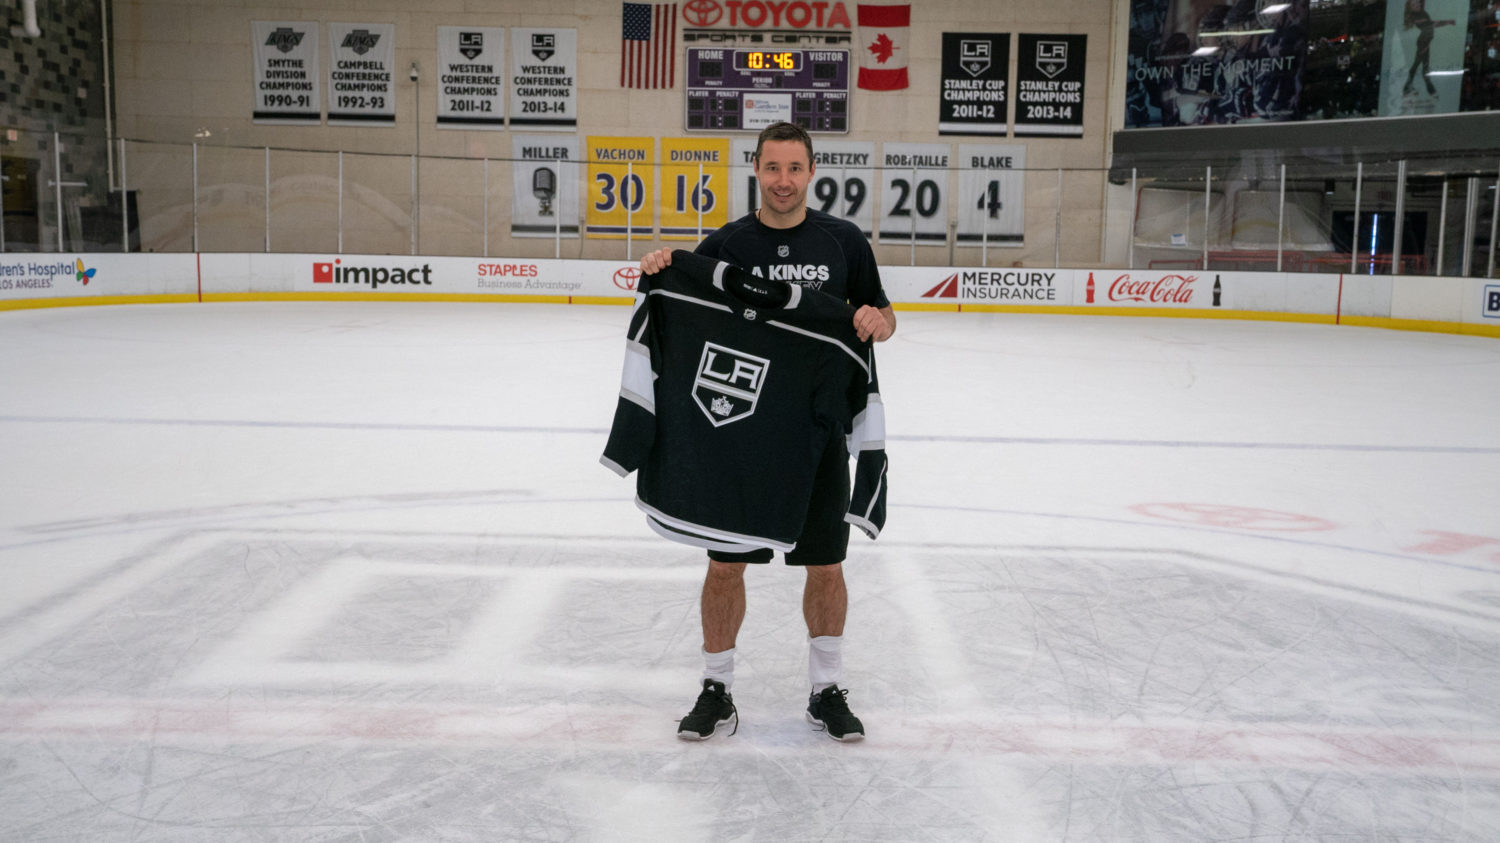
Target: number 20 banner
x,y
913,184
694,187
621,180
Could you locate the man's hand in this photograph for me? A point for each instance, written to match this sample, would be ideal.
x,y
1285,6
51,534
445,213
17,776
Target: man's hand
x,y
654,262
876,323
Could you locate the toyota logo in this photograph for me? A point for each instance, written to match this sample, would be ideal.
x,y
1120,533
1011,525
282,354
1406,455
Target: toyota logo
x,y
627,277
702,12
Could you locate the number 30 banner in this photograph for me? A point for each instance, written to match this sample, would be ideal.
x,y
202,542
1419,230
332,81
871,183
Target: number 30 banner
x,y
621,175
913,181
694,187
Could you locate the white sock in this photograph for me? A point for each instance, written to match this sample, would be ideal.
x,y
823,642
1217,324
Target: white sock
x,y
825,661
719,667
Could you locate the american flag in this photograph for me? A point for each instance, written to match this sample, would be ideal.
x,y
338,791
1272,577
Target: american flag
x,y
648,48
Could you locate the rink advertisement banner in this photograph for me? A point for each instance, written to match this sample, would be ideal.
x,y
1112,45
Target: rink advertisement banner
x,y
991,194
974,285
694,187
975,84
621,182
1190,63
1144,288
1422,65
286,73
471,77
360,64
332,276
545,175
544,79
842,182
106,277
913,190
1049,85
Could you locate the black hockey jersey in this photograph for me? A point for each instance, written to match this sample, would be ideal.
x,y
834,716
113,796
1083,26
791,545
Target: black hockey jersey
x,y
732,388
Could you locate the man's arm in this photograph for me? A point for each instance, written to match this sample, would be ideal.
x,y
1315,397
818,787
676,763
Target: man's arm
x,y
654,262
875,322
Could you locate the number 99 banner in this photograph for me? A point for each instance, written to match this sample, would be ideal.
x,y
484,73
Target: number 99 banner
x,y
841,182
913,183
621,175
694,184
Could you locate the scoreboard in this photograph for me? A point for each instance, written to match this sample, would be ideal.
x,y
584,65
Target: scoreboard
x,y
735,89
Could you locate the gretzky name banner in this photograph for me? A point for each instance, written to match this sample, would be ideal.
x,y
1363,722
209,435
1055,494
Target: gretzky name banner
x,y
471,77
976,74
361,60
544,79
1049,85
286,73
546,186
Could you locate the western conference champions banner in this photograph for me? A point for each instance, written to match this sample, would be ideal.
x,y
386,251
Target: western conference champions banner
x,y
913,184
1049,85
361,60
694,187
544,79
471,77
286,73
843,172
545,175
992,194
976,78
621,180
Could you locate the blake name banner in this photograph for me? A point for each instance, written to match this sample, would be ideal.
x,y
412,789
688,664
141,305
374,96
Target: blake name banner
x,y
545,174
286,73
976,82
471,77
991,194
1049,85
360,88
544,79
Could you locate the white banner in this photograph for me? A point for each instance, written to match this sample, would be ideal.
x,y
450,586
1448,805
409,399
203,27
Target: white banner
x,y
286,73
546,175
361,61
842,183
992,194
544,79
914,185
471,77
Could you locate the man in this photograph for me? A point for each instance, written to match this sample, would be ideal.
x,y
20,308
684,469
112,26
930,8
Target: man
x,y
832,255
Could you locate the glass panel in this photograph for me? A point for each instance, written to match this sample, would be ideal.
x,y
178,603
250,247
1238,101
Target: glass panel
x,y
378,204
304,202
231,199
161,177
452,212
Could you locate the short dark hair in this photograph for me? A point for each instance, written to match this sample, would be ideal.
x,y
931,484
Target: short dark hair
x,y
784,132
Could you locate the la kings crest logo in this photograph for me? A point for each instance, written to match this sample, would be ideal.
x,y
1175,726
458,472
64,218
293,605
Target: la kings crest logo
x,y
728,383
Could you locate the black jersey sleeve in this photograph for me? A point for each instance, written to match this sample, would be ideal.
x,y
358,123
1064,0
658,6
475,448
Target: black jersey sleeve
x,y
634,428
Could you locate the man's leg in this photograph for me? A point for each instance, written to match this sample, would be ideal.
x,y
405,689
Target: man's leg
x,y
825,600
723,605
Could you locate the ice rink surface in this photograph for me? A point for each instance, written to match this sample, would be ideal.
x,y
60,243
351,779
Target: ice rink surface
x,y
352,572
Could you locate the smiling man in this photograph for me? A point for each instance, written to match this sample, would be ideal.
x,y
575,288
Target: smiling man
x,y
786,241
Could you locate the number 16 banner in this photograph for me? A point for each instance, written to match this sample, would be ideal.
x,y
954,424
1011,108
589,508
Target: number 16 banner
x,y
992,194
694,187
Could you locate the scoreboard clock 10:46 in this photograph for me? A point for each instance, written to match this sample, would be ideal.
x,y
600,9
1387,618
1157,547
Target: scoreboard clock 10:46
x,y
732,89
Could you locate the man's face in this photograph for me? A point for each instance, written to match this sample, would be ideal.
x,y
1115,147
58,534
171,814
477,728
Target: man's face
x,y
784,172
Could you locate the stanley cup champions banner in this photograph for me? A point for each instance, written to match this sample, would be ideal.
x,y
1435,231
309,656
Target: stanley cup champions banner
x,y
1049,85
360,88
286,73
471,77
976,78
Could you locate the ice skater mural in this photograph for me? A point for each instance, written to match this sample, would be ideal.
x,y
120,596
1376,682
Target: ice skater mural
x,y
1424,53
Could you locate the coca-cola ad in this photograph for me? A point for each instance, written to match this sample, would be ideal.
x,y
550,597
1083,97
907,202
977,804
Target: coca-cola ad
x,y
1153,289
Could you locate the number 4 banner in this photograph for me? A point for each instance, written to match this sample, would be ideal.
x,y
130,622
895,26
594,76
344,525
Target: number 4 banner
x,y
913,184
992,194
694,187
620,180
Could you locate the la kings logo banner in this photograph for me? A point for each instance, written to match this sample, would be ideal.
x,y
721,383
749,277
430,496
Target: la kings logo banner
x,y
728,383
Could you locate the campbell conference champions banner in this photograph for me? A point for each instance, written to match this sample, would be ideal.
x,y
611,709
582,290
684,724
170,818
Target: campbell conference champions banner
x,y
360,88
471,77
545,174
286,73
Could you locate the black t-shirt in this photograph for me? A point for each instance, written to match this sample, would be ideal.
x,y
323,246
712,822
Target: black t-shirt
x,y
823,253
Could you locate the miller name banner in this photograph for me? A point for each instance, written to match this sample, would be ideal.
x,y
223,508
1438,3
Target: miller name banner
x,y
991,194
361,61
976,76
1049,85
471,77
286,73
545,174
544,79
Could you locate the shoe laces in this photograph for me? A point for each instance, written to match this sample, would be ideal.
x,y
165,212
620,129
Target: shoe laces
x,y
834,700
708,706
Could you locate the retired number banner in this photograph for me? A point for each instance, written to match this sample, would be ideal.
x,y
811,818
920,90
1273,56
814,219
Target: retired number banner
x,y
546,186
991,194
913,181
361,59
842,182
621,175
286,73
544,79
471,77
694,187
1049,86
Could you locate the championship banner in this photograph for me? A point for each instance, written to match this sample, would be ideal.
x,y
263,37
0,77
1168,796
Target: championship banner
x,y
842,182
976,82
544,79
992,194
286,73
621,176
914,181
471,77
360,90
694,187
546,186
1422,67
1049,85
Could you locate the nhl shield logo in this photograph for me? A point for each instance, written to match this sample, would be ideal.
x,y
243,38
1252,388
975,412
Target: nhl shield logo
x,y
783,250
471,44
284,39
1051,57
543,45
728,383
974,56
361,41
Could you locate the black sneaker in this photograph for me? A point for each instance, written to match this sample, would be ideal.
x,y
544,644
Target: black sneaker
x,y
714,708
830,709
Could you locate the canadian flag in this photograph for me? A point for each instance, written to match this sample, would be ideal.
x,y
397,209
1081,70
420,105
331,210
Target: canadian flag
x,y
882,36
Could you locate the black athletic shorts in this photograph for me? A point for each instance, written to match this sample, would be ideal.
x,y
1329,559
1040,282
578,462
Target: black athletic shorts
x,y
825,533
